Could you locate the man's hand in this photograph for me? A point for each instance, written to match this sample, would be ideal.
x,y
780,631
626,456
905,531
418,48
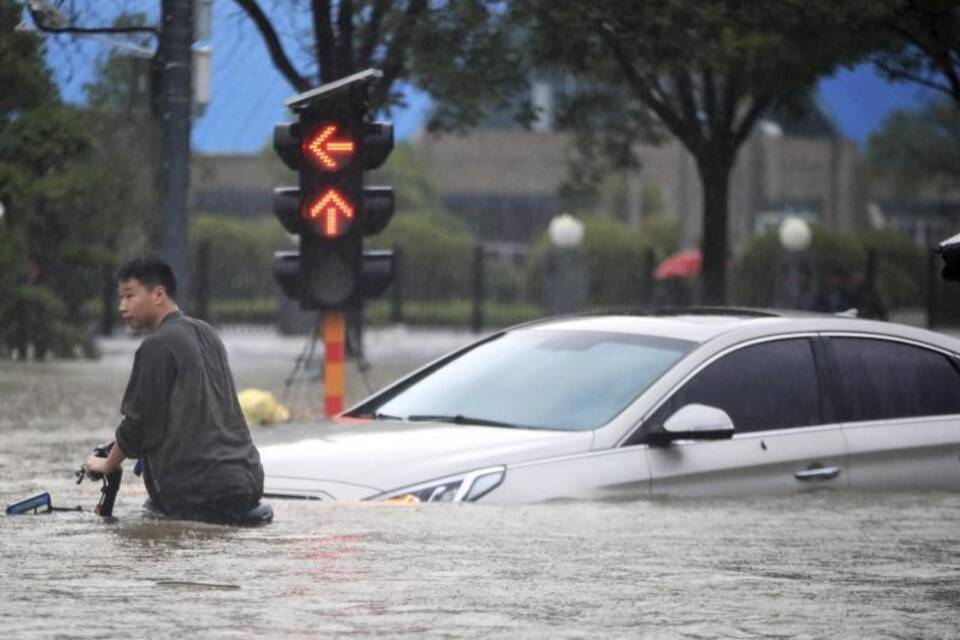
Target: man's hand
x,y
95,467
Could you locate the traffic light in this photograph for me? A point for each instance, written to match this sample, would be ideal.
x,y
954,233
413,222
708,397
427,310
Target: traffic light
x,y
331,145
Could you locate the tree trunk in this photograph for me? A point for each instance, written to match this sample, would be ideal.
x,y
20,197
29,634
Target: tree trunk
x,y
715,182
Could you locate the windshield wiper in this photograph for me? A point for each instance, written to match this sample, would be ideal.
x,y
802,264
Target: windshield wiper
x,y
461,419
385,416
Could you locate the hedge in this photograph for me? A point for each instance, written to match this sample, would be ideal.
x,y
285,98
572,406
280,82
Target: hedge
x,y
899,273
241,254
620,261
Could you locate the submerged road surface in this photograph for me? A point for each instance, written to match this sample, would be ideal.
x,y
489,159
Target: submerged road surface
x,y
820,565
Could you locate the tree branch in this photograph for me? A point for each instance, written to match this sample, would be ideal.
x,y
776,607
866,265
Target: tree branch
x,y
709,96
372,33
688,103
745,126
902,74
731,90
394,58
279,57
937,47
648,90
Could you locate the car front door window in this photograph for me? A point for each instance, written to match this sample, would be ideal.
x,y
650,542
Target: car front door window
x,y
768,389
771,385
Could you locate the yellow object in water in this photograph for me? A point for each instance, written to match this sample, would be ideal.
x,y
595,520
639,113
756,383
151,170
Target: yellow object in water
x,y
261,407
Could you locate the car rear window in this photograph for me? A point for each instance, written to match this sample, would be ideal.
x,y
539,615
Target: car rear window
x,y
541,378
883,379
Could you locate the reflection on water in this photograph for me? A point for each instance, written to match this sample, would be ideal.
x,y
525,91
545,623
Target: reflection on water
x,y
137,528
819,565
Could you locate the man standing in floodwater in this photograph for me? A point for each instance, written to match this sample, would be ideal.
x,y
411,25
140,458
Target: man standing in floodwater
x,y
181,413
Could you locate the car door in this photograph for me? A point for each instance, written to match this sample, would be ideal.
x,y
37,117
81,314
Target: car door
x,y
899,404
782,443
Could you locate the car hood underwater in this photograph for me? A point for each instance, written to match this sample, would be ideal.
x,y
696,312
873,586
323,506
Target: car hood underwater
x,y
358,459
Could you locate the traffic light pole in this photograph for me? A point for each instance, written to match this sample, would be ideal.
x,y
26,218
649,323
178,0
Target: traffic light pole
x,y
173,177
334,335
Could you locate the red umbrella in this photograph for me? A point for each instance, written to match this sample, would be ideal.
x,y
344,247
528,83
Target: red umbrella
x,y
682,264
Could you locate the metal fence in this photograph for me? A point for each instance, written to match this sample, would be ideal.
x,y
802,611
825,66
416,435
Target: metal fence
x,y
495,285
495,290
507,286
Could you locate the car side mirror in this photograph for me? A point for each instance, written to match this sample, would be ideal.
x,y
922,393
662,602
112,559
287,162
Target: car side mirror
x,y
696,422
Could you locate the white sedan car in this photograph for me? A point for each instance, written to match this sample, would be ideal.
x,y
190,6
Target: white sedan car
x,y
716,402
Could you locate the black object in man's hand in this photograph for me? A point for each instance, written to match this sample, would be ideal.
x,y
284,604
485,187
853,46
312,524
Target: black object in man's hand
x,y
111,482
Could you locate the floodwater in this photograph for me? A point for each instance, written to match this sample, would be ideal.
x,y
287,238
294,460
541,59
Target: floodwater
x,y
840,565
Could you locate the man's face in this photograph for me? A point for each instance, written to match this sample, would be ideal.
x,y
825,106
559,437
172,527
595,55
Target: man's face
x,y
139,306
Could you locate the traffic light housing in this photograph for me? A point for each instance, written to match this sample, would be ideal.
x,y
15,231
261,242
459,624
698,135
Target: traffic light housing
x,y
331,146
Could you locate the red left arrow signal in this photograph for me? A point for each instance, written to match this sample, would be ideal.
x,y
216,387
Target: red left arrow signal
x,y
332,211
327,152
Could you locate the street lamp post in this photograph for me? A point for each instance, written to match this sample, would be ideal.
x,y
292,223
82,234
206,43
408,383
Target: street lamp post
x,y
795,236
566,273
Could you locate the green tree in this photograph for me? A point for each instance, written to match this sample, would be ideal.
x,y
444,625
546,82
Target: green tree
x,y
706,72
63,203
123,167
923,45
458,51
37,142
914,149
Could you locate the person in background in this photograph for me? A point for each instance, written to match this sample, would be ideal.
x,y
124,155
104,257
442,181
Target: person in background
x,y
805,299
836,298
865,299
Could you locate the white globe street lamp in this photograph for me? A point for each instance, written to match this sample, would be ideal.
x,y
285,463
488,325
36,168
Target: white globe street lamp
x,y
565,231
795,234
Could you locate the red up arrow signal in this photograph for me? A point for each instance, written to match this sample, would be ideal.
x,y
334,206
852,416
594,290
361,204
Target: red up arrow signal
x,y
332,211
326,152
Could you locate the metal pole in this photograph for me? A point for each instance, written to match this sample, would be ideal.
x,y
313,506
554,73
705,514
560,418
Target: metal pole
x,y
478,289
173,180
396,300
201,282
933,292
109,299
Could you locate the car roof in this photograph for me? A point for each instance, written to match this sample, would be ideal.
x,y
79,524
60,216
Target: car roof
x,y
703,324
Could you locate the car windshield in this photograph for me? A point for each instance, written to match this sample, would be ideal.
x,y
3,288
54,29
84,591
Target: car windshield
x,y
538,378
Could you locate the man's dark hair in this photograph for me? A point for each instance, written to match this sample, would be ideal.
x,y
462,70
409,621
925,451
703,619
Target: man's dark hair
x,y
152,272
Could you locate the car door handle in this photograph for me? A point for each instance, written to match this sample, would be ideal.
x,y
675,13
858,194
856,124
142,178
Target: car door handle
x,y
817,472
